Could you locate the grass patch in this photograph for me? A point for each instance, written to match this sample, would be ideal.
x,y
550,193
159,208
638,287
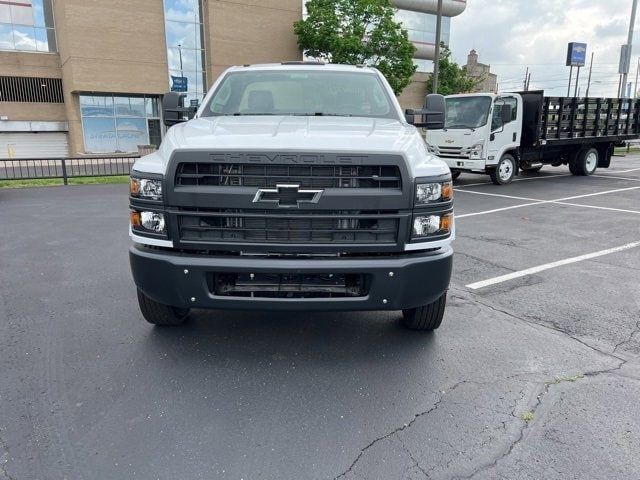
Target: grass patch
x,y
623,150
527,416
51,182
572,378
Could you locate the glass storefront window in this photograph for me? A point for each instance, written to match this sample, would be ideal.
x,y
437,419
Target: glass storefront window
x,y
27,26
119,123
185,49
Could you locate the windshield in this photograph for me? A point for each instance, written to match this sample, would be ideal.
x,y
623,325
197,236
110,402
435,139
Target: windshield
x,y
301,92
467,112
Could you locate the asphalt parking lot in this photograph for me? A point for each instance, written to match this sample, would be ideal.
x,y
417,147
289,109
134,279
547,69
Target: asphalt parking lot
x,y
535,372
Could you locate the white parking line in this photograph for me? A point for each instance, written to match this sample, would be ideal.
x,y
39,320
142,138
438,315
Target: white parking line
x,y
598,207
518,179
534,201
542,177
547,266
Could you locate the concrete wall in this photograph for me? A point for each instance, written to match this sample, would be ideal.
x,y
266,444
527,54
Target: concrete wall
x,y
250,31
116,46
413,95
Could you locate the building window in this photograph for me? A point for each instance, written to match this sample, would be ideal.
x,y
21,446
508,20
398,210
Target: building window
x,y
118,123
421,28
185,47
27,26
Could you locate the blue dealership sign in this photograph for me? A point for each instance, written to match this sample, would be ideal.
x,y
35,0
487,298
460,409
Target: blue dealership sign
x,y
576,54
179,84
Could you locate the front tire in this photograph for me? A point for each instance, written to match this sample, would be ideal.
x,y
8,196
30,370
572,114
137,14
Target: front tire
x,y
427,317
585,163
160,314
455,174
504,171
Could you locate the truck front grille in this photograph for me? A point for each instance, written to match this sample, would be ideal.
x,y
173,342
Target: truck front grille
x,y
263,175
452,152
268,226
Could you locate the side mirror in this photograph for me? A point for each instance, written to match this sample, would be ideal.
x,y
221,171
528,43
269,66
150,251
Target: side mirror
x,y
173,109
435,105
433,113
409,116
505,114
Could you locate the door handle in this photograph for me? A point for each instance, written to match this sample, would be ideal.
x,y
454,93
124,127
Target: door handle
x,y
515,136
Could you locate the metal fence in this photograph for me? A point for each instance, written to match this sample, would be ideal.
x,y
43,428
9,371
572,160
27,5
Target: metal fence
x,y
65,168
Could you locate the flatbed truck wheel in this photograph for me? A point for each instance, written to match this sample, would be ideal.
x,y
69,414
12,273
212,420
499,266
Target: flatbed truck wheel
x,y
585,163
160,314
427,317
504,171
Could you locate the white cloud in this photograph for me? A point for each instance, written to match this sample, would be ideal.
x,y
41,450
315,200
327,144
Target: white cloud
x,y
512,35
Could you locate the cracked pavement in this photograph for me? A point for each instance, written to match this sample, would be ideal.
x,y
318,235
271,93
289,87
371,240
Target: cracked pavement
x,y
90,391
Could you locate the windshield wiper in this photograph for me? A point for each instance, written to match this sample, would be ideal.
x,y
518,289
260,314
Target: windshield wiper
x,y
241,114
322,114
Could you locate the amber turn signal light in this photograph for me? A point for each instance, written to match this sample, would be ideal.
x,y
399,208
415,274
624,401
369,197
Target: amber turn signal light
x,y
447,191
446,222
134,219
134,187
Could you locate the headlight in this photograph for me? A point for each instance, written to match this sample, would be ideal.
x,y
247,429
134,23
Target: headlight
x,y
149,221
476,151
427,193
430,225
146,188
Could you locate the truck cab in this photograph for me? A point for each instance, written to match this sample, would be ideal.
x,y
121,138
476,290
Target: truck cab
x,y
481,134
296,186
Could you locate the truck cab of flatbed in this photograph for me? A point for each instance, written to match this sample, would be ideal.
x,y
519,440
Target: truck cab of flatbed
x,y
507,133
295,187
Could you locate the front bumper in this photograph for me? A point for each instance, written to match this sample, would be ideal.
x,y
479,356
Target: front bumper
x,y
404,281
465,164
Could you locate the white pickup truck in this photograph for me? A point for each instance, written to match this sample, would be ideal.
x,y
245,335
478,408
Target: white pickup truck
x,y
502,134
297,186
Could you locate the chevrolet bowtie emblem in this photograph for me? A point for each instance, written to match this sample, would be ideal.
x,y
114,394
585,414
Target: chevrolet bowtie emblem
x,y
448,141
287,195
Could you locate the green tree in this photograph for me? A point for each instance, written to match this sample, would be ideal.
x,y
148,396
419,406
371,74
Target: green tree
x,y
452,78
358,32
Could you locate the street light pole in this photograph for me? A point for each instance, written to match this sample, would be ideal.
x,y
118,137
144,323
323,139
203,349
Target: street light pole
x,y
180,54
589,82
436,60
632,22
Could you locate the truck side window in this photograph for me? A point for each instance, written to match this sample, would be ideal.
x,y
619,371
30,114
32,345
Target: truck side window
x,y
496,119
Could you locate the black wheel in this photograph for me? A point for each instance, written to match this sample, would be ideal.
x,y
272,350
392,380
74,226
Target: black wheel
x,y
159,314
455,174
428,317
504,171
530,169
585,163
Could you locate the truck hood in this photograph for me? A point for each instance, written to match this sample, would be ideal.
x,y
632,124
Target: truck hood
x,y
463,138
296,134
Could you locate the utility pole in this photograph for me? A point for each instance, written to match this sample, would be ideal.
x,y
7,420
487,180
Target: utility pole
x,y
526,75
632,22
436,60
528,81
590,70
635,87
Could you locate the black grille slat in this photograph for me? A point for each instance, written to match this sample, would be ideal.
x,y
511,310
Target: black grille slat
x,y
318,176
347,227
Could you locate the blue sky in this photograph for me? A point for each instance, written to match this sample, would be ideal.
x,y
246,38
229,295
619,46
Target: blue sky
x,y
513,34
